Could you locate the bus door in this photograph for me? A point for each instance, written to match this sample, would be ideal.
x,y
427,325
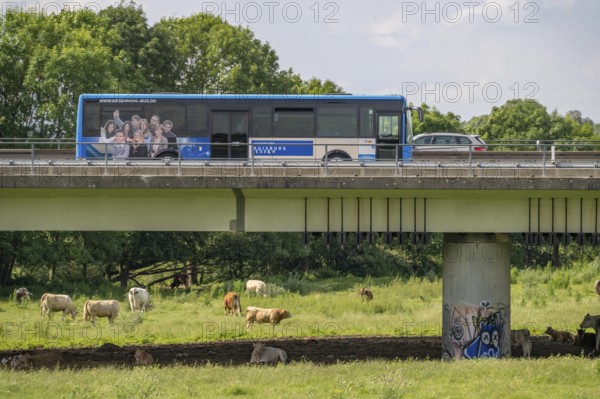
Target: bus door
x,y
388,132
229,137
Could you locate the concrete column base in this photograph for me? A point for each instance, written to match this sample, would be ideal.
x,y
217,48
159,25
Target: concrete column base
x,y
476,296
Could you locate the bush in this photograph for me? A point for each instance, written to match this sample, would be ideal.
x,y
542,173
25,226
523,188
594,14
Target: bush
x,y
535,294
533,277
294,284
274,290
325,273
585,272
560,279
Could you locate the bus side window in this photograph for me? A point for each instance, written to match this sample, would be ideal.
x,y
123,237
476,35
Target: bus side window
x,y
366,122
261,121
388,126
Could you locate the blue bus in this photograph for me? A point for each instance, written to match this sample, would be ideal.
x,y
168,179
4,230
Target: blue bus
x,y
243,126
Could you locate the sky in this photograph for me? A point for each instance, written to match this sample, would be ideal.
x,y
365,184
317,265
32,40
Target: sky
x,y
460,56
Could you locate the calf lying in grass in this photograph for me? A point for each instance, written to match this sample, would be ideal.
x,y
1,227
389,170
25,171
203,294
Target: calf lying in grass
x,y
559,336
142,357
267,354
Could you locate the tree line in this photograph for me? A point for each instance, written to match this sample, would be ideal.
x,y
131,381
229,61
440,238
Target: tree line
x,y
516,120
149,258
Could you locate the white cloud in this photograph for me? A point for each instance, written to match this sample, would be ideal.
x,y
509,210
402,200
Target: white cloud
x,y
386,41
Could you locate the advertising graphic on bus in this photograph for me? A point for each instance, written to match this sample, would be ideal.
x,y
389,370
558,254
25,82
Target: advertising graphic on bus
x,y
243,126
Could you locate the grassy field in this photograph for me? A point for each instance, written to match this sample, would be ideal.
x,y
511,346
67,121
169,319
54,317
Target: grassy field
x,y
323,308
564,377
319,308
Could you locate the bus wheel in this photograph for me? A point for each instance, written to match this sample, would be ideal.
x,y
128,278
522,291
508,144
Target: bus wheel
x,y
336,157
166,154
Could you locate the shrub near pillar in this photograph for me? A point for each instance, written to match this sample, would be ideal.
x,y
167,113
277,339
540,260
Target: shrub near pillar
x,y
476,296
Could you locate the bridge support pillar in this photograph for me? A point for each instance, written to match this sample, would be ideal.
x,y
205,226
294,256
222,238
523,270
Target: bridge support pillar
x,y
476,296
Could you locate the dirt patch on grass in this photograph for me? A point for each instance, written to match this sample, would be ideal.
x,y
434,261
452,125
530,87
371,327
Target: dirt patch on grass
x,y
318,350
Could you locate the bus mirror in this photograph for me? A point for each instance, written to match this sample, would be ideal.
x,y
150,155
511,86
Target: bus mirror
x,y
420,112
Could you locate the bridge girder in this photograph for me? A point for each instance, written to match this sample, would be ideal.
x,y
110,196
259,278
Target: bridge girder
x,y
384,210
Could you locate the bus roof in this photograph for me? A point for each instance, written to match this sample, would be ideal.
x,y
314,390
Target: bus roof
x,y
242,97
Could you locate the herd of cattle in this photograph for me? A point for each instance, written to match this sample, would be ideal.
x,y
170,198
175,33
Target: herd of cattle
x,y
139,301
522,338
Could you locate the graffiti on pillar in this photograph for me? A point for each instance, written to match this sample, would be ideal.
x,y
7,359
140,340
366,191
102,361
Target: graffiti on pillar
x,y
474,331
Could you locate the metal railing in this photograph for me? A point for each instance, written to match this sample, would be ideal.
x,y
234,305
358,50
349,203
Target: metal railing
x,y
522,154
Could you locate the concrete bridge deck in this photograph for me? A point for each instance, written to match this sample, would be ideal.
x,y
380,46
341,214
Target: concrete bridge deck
x,y
341,198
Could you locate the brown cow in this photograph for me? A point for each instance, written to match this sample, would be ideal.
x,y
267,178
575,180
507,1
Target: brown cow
x,y
597,288
587,340
22,294
590,321
179,279
232,304
259,315
142,357
559,336
366,294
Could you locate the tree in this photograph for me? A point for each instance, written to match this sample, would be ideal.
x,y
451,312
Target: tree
x,y
17,44
237,255
12,250
293,83
59,77
435,121
516,120
211,56
142,57
47,61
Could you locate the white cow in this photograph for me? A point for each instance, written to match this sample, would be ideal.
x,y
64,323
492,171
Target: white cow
x,y
104,308
256,286
267,354
57,303
139,299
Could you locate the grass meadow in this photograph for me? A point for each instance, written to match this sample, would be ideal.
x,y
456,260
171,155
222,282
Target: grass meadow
x,y
565,377
406,307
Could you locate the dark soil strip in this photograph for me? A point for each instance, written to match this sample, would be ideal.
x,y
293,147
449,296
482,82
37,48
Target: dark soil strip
x,y
317,350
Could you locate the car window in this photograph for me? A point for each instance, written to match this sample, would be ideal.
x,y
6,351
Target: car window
x,y
423,140
464,140
443,140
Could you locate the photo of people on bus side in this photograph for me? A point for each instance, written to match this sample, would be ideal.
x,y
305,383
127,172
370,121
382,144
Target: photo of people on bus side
x,y
138,138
